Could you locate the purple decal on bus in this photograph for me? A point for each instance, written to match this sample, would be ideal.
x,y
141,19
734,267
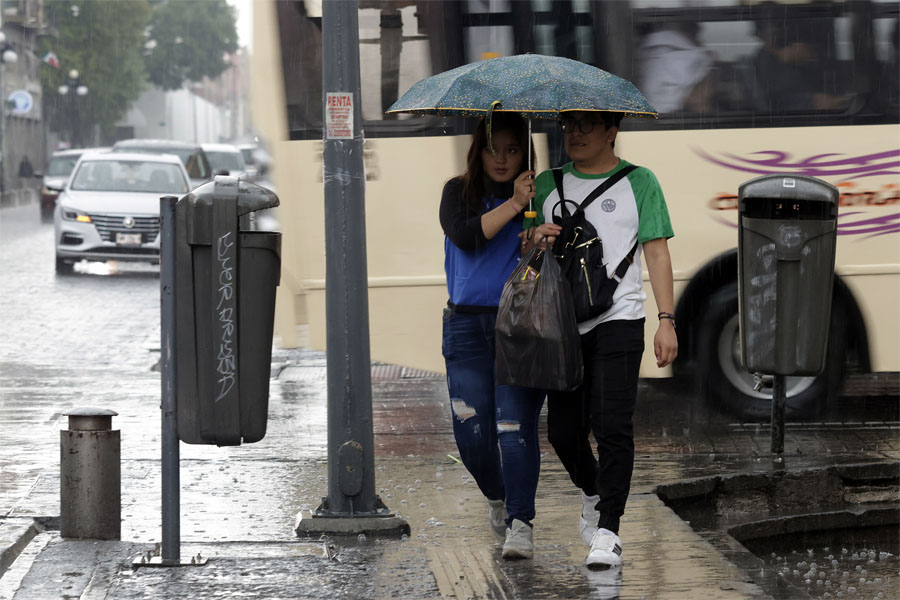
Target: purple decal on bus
x,y
822,165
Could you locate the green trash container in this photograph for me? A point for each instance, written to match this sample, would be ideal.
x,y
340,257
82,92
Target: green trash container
x,y
786,247
225,286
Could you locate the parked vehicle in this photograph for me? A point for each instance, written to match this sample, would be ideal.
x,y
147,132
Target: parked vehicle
x,y
192,155
109,209
257,160
55,176
226,159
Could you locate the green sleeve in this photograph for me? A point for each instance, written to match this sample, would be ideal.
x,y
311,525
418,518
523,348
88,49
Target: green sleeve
x,y
543,187
653,216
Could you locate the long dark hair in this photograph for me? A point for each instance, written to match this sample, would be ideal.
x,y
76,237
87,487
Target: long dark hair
x,y
475,180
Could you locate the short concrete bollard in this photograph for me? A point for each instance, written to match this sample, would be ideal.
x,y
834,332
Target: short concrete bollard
x,y
90,479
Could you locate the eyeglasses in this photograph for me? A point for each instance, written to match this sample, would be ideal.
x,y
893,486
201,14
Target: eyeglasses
x,y
585,126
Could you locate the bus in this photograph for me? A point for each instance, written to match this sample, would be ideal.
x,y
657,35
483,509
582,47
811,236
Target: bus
x,y
743,89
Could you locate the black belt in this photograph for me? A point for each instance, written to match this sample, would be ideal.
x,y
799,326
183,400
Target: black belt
x,y
470,309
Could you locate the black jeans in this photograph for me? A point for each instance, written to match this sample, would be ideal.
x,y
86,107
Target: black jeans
x,y
604,406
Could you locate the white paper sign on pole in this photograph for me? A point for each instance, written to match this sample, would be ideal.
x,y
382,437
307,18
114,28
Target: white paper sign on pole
x,y
339,116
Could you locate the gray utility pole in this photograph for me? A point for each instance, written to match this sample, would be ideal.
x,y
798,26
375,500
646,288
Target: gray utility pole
x,y
351,443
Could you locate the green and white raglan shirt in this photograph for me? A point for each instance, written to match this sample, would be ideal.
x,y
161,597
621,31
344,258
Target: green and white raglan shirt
x,y
634,209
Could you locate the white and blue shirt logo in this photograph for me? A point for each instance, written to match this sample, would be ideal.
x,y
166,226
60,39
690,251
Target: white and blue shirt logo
x,y
608,205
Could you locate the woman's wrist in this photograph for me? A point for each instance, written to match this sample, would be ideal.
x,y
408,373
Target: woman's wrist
x,y
514,206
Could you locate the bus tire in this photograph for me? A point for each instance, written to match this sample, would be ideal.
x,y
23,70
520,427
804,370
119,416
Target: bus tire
x,y
728,387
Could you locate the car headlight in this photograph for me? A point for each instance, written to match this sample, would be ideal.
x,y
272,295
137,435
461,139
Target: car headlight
x,y
70,214
46,191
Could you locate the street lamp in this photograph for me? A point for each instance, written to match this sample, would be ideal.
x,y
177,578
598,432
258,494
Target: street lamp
x,y
7,55
71,88
73,84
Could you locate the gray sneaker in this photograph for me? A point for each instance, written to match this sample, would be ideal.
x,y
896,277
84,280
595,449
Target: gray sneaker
x,y
498,518
519,541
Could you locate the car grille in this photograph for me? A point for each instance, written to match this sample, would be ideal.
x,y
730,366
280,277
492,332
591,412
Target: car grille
x,y
109,225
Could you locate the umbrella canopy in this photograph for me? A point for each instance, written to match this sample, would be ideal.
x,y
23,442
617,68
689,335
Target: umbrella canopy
x,y
534,85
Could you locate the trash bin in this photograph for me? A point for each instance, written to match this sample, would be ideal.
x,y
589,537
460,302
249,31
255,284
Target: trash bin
x,y
225,313
786,246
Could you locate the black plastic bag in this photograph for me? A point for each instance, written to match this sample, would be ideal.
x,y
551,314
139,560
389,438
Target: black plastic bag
x,y
538,345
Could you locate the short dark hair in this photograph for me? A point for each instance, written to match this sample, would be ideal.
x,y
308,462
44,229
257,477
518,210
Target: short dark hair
x,y
611,119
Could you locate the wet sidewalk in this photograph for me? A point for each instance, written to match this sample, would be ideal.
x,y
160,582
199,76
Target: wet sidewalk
x,y
239,505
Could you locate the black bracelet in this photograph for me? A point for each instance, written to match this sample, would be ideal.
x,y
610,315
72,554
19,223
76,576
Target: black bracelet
x,y
666,315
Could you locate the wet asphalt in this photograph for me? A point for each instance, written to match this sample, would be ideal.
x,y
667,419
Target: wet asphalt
x,y
92,340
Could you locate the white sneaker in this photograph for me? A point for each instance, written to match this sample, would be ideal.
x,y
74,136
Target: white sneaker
x,y
498,518
606,551
519,541
590,516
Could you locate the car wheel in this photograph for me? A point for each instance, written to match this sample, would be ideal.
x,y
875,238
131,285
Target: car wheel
x,y
63,267
729,387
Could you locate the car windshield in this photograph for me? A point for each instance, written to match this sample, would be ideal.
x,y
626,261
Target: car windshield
x,y
190,157
225,161
129,176
61,166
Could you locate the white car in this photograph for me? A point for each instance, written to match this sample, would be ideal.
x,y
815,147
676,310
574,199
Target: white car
x,y
225,159
109,209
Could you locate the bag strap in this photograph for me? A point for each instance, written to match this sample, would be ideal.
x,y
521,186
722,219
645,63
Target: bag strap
x,y
598,191
610,181
558,177
620,271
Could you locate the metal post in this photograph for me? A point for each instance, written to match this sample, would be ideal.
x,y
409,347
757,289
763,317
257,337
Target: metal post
x,y
171,499
346,276
90,480
779,395
170,549
351,443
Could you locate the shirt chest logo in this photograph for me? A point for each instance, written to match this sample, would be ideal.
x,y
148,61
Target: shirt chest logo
x,y
608,205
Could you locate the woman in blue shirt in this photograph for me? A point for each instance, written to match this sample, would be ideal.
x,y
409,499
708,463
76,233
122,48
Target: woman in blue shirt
x,y
481,218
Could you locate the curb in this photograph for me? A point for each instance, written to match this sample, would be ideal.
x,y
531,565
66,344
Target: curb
x,y
15,534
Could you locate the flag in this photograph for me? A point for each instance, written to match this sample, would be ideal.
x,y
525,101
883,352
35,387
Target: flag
x,y
51,60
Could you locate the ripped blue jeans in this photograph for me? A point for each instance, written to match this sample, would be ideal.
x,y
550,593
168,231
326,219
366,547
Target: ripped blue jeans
x,y
495,426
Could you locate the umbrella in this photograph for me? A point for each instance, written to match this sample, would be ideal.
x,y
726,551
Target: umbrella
x,y
534,85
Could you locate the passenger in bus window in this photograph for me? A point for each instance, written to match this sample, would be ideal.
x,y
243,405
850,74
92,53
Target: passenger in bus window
x,y
632,213
789,67
675,69
495,426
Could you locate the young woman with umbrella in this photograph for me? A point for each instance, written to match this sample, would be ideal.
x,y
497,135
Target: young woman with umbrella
x,y
495,426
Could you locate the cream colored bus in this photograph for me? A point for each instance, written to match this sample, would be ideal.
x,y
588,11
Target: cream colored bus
x,y
743,90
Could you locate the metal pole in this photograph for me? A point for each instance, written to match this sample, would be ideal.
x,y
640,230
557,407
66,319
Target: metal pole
x,y
171,500
779,395
351,461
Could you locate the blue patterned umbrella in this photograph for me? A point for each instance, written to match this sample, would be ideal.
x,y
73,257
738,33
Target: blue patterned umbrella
x,y
533,85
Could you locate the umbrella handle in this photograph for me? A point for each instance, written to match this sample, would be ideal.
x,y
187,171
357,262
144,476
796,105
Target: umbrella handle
x,y
530,213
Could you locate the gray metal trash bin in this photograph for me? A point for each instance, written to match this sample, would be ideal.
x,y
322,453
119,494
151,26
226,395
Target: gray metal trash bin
x,y
786,248
225,313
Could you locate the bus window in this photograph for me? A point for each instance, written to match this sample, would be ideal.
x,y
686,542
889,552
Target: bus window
x,y
749,63
489,40
393,55
886,29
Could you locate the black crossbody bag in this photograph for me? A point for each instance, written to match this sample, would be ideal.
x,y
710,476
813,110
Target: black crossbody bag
x,y
580,251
